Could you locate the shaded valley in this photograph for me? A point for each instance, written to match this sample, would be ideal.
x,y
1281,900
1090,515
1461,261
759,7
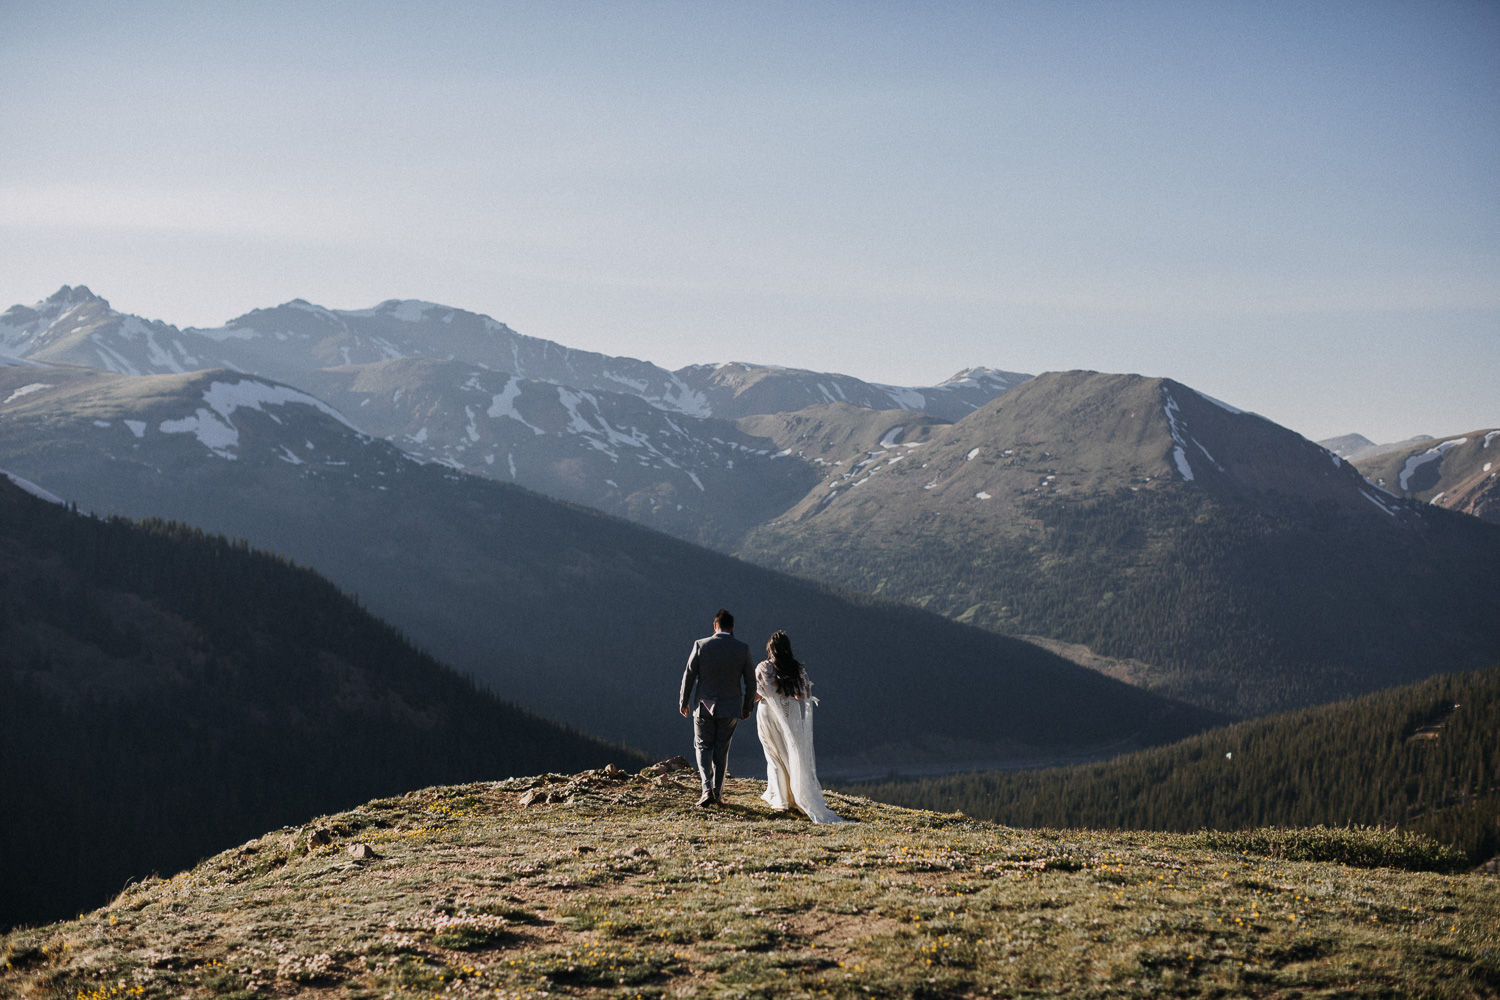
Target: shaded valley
x,y
165,694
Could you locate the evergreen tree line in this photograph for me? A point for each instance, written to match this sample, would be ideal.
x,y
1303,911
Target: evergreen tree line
x,y
166,694
1424,758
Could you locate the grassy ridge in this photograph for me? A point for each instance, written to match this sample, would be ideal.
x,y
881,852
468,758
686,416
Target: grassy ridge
x,y
620,888
1405,758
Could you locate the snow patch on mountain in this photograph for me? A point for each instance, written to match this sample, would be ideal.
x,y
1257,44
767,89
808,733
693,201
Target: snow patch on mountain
x,y
214,426
1388,508
904,398
226,397
1415,462
1178,454
218,436
503,404
1181,438
27,390
33,488
111,359
132,328
412,310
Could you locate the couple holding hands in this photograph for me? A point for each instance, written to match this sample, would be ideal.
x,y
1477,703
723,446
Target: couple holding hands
x,y
720,687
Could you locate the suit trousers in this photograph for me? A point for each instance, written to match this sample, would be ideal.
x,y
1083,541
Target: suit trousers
x,y
711,738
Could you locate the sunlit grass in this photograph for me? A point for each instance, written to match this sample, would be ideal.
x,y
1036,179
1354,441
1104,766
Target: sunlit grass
x,y
620,888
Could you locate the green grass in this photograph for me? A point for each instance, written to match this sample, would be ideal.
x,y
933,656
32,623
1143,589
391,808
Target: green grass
x,y
622,889
1361,847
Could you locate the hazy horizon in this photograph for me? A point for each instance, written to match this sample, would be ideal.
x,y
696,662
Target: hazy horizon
x,y
1290,207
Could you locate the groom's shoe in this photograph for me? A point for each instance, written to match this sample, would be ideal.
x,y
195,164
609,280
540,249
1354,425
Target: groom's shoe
x,y
707,800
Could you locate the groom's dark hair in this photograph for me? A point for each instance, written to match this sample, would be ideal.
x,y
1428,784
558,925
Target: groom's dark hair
x,y
724,621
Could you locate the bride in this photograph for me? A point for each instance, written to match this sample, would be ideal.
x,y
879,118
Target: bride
x,y
785,727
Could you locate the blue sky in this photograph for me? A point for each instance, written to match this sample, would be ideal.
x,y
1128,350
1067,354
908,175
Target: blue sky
x,y
1293,207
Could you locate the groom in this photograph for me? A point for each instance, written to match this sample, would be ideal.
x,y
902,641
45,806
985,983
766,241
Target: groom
x,y
720,667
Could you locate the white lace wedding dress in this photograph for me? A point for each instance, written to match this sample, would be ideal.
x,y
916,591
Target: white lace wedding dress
x,y
785,727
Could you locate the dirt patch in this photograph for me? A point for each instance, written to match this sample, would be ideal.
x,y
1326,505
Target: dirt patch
x,y
837,930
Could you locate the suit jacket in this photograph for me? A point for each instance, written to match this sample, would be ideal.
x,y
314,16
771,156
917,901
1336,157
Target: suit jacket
x,y
720,668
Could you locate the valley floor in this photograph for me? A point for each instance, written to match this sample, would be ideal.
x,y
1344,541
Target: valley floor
x,y
614,885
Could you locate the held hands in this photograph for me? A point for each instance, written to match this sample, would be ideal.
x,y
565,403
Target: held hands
x,y
684,711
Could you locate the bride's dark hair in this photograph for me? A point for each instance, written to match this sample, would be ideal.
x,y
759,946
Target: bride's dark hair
x,y
788,668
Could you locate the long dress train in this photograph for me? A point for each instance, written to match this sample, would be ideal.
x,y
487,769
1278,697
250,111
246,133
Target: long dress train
x,y
785,727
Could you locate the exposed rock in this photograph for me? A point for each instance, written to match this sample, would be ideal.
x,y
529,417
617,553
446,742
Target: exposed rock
x,y
362,852
319,837
661,767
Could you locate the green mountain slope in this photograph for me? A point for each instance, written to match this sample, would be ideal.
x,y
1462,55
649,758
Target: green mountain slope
x,y
1422,758
1250,569
621,889
580,616
837,436
1459,473
164,693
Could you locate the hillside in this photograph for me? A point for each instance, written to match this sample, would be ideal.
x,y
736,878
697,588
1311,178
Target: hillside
x,y
1422,758
1459,473
1243,566
163,693
741,390
1356,447
698,478
617,887
833,434
580,616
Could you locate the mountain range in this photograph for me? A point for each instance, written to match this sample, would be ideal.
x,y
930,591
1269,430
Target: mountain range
x,y
578,615
559,525
1459,473
621,435
1243,566
75,326
1132,522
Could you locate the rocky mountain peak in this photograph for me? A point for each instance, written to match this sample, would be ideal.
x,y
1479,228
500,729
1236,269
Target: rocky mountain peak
x,y
68,296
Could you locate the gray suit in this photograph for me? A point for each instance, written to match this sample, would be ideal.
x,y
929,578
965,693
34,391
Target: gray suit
x,y
721,670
